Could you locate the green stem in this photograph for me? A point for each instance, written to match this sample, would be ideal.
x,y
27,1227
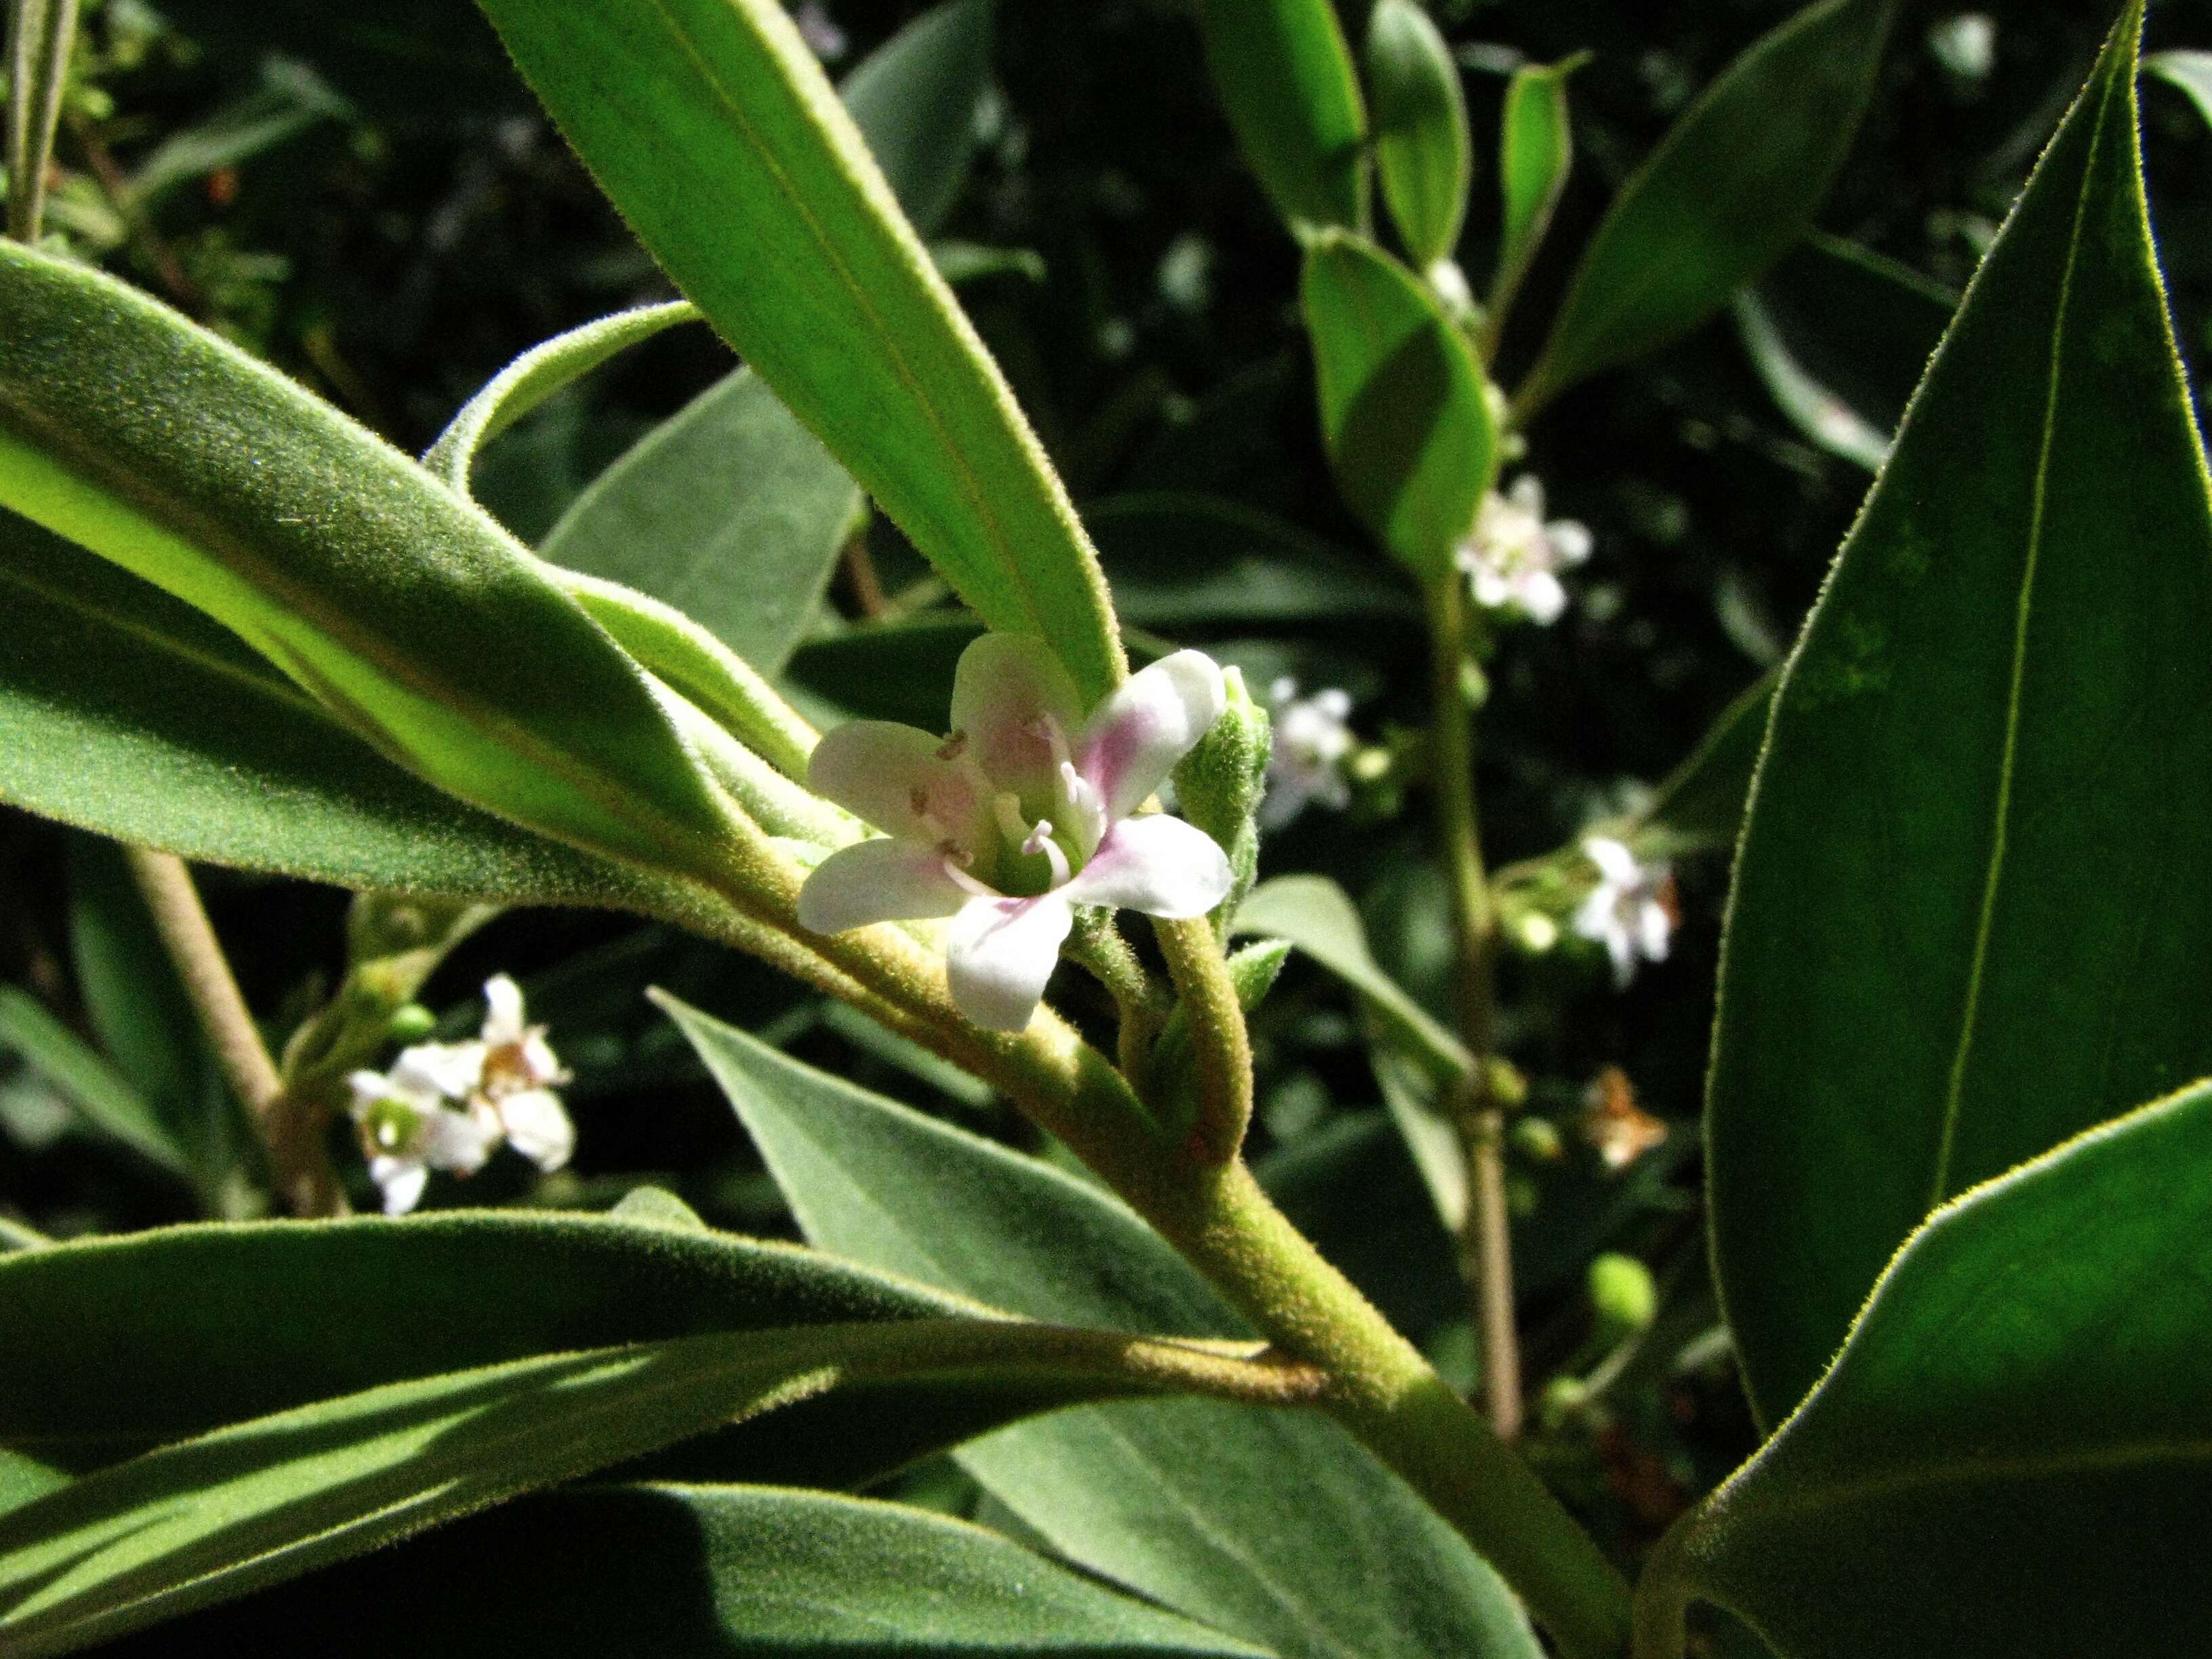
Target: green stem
x,y
1486,1243
40,34
297,1159
1223,1047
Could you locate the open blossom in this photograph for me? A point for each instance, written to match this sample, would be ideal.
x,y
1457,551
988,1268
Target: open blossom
x,y
1514,557
1025,810
1312,740
449,1105
1631,911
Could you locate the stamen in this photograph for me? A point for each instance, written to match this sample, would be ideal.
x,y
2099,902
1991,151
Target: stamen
x,y
955,744
1045,728
955,867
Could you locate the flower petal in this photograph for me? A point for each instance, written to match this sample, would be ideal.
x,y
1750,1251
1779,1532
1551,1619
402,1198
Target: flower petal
x,y
1570,539
460,1140
401,1180
882,771
1000,954
539,1127
1615,863
1542,596
871,881
1155,863
1006,689
503,1022
1653,928
1153,720
431,1073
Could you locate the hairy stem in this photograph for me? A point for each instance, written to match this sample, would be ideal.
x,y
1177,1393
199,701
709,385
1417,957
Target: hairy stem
x,y
297,1159
1486,1247
1223,1047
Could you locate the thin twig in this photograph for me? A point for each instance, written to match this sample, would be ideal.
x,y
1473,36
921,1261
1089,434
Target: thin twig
x,y
1485,1241
297,1159
41,33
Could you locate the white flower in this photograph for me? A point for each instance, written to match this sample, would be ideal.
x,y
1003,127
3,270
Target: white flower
x,y
1631,910
1514,558
407,1129
518,1071
1307,762
1025,812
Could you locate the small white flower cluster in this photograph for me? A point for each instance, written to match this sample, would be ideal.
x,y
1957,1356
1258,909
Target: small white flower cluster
x,y
1312,741
449,1105
1631,911
1514,557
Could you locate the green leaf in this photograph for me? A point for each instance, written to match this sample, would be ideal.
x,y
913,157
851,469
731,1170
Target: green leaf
x,y
1316,914
1731,188
1178,559
535,375
917,99
291,98
271,1499
130,714
2192,71
1284,75
1535,152
102,1097
1410,434
729,511
23,1479
700,1572
1963,927
1423,149
1699,806
118,1345
1183,1501
2007,1460
1842,336
710,125
404,610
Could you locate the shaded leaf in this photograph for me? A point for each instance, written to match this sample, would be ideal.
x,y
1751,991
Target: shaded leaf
x,y
1284,75
1409,432
2190,71
1729,190
103,1099
1536,153
700,1572
1183,1501
712,128
917,99
2008,1459
1962,930
1182,560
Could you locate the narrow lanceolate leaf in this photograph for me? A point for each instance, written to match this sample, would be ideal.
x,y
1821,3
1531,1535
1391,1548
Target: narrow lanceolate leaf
x,y
130,714
1423,149
2190,71
1183,1501
729,510
405,611
2008,1460
710,125
116,1345
1284,75
270,1498
1726,194
702,1573
1535,152
1408,430
535,375
1963,928
105,1102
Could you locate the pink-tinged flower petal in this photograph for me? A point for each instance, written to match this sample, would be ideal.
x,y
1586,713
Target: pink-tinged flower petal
x,y
1009,694
539,1127
884,772
1000,954
1157,865
401,1180
1151,721
874,881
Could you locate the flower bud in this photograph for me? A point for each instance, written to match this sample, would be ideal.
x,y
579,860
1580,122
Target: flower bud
x,y
1622,1291
1218,785
410,1023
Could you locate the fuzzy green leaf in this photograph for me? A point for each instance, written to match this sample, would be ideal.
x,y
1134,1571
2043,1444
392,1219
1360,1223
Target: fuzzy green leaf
x,y
1284,75
711,126
1731,188
1424,152
405,611
1410,434
1963,928
1183,1501
1536,153
2007,1461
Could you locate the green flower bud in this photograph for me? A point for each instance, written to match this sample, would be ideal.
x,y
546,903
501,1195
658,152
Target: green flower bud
x,y
410,1023
1538,1139
1622,1291
1218,785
